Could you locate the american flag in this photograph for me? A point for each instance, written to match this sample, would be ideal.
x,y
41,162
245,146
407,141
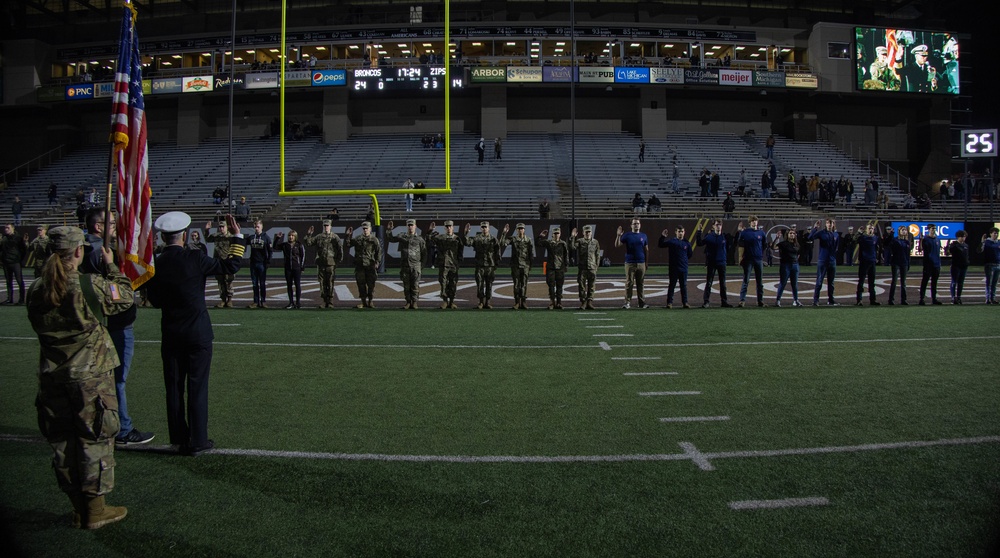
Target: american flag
x,y
128,125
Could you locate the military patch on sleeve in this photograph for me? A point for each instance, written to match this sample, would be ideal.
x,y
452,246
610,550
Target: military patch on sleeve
x,y
115,293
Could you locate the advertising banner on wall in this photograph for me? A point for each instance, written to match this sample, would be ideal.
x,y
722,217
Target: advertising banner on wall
x,y
524,74
489,75
79,91
262,80
166,85
558,74
740,78
303,78
631,75
328,78
197,84
769,79
597,75
701,76
802,81
223,81
669,76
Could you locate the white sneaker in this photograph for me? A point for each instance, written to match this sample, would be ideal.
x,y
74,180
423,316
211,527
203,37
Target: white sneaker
x,y
777,304
796,303
626,306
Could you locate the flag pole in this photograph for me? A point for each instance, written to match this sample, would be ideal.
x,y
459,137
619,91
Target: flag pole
x,y
112,141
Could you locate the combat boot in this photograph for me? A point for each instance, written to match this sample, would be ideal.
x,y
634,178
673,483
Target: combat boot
x,y
413,305
406,306
524,303
590,305
98,515
558,303
229,303
221,304
444,305
552,303
451,304
480,305
487,305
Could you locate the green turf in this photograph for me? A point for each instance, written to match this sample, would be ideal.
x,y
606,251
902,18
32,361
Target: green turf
x,y
536,383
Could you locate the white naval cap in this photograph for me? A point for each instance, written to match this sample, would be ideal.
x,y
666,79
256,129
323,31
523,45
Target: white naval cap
x,y
173,222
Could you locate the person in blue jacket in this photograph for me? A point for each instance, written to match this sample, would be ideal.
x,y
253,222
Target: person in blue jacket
x,y
753,242
826,265
715,261
679,252
899,261
930,246
990,248
866,242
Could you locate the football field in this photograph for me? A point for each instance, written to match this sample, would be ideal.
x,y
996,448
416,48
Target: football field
x,y
755,432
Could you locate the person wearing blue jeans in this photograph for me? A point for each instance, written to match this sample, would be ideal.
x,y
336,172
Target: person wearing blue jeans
x,y
788,250
680,253
930,246
866,241
826,264
753,242
990,248
259,244
899,260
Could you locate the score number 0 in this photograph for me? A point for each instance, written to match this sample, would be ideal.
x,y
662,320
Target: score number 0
x,y
979,143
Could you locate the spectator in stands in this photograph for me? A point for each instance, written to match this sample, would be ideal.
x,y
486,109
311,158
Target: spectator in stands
x,y
53,193
765,185
728,206
243,210
813,188
770,146
675,175
642,150
81,213
702,184
497,150
910,202
481,149
924,201
638,204
92,197
715,184
218,195
653,204
845,253
790,184
16,208
544,209
882,201
408,197
333,215
419,197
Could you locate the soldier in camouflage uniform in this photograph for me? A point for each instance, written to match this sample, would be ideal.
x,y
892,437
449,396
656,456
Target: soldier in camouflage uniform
x,y
77,408
38,251
328,254
556,264
449,257
522,251
222,240
412,252
588,258
487,249
367,255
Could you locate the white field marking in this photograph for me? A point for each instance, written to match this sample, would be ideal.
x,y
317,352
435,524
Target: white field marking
x,y
693,419
783,503
596,319
589,313
811,342
696,456
605,327
659,393
604,346
226,325
690,454
650,374
613,335
635,358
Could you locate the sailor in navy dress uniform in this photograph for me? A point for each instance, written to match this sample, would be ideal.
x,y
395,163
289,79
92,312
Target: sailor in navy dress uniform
x,y
178,288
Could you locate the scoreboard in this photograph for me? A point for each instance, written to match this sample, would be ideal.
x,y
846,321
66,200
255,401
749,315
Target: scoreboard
x,y
404,78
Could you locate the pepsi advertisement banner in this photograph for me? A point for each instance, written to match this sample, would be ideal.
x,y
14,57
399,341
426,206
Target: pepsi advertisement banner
x,y
329,78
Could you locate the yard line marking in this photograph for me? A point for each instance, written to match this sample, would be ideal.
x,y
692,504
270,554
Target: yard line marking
x,y
813,342
604,346
783,503
658,393
589,313
693,419
613,335
690,454
696,456
649,374
635,358
226,325
596,319
605,327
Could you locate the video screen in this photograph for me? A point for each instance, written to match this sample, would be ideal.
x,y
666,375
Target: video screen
x,y
905,60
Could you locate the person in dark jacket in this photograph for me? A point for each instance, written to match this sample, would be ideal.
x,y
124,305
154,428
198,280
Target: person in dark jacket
x,y
13,249
178,288
788,259
899,262
679,253
715,261
295,261
259,244
930,246
826,266
866,241
959,251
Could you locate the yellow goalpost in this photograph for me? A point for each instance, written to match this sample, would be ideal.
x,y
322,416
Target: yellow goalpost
x,y
373,192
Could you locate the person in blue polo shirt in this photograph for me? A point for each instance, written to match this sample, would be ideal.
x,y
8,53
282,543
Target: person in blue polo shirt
x,y
679,252
753,242
826,265
899,261
990,248
866,241
715,260
636,251
930,245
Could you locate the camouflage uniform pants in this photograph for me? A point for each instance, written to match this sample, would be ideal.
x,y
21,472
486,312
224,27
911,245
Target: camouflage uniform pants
x,y
411,283
225,286
448,278
635,274
79,419
365,277
555,278
585,279
484,281
326,275
520,277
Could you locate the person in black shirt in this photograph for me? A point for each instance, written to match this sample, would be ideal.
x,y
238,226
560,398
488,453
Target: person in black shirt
x,y
788,250
959,251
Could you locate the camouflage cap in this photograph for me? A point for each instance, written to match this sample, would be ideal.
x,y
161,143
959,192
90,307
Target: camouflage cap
x,y
66,238
411,222
449,223
555,229
327,222
588,228
43,227
520,225
484,224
